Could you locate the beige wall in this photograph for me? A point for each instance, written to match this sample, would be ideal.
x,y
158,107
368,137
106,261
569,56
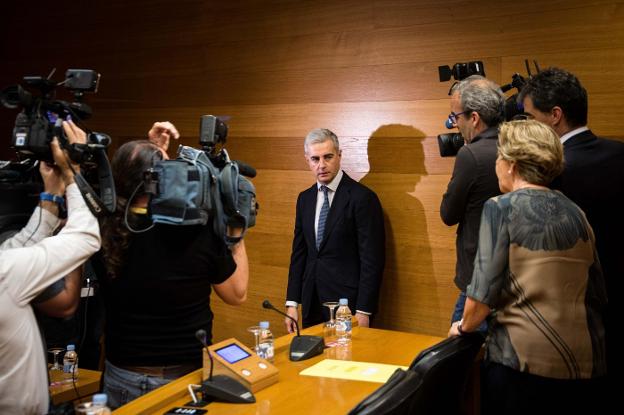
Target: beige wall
x,y
367,69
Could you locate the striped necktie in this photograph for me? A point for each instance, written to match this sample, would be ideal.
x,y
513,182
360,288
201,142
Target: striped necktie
x,y
322,217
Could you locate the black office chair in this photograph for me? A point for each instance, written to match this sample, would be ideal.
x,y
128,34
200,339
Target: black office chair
x,y
444,369
434,383
393,397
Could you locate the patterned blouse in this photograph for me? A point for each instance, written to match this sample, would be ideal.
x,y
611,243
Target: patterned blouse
x,y
537,267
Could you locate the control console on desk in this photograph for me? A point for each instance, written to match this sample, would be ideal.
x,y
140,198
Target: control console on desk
x,y
233,359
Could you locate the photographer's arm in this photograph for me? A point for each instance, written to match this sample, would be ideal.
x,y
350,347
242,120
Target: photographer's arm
x,y
234,290
44,219
65,302
27,271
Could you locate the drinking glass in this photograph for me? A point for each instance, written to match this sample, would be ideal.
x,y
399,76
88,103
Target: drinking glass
x,y
56,370
256,332
56,351
329,329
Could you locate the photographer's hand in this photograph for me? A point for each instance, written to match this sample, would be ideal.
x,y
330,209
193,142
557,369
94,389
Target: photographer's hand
x,y
161,133
65,164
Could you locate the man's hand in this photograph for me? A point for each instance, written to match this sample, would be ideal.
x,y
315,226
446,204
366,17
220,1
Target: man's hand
x,y
161,133
66,165
290,325
454,331
362,319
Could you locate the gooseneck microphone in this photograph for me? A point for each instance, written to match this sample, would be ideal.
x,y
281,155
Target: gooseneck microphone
x,y
301,347
221,387
267,304
202,336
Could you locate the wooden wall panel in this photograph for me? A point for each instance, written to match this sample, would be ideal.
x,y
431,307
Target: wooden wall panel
x,y
367,69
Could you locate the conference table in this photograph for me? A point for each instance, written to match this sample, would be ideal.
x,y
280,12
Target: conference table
x,y
87,383
294,393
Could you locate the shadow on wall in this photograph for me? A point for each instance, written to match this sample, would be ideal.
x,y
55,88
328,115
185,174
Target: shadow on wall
x,y
408,299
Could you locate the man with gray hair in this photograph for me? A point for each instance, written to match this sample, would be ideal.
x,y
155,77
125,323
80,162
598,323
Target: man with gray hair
x,y
477,108
338,248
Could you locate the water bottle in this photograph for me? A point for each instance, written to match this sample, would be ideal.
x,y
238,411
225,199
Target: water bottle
x,y
95,407
266,342
70,363
99,404
343,322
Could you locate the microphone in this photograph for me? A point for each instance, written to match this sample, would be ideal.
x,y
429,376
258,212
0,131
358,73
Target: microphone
x,y
245,169
267,304
301,347
448,124
222,387
202,336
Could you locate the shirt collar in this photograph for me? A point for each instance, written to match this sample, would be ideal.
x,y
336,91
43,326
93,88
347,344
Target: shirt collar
x,y
572,133
333,185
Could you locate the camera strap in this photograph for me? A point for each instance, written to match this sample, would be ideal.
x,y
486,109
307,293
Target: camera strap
x,y
105,203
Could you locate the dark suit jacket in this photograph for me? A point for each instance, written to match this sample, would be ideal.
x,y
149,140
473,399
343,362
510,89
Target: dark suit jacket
x,y
593,178
473,182
350,260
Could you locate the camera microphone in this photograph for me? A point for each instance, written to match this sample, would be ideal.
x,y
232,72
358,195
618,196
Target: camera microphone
x,y
245,169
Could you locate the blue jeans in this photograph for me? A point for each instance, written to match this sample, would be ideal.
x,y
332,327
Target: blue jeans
x,y
459,312
123,386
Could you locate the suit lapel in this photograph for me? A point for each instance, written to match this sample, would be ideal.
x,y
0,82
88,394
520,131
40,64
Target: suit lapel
x,y
341,199
309,205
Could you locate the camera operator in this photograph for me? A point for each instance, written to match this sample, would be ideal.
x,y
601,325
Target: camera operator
x,y
477,108
157,285
26,271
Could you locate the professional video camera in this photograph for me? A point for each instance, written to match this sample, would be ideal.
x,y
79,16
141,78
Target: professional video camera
x,y
450,143
41,119
203,185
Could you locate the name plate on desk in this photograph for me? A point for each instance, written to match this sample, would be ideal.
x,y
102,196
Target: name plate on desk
x,y
234,359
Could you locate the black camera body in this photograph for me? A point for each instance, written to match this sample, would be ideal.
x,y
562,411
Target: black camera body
x,y
40,120
461,71
202,186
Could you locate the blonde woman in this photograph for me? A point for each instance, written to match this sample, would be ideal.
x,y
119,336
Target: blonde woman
x,y
536,267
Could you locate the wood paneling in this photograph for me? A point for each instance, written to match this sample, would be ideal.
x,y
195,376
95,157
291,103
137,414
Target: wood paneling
x,y
367,69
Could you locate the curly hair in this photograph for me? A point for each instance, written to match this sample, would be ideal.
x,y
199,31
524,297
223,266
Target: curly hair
x,y
534,147
129,163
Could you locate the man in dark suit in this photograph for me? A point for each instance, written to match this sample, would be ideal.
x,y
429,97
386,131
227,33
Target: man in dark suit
x,y
476,110
339,243
593,176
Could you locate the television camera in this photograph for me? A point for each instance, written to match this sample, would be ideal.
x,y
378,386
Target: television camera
x,y
203,185
40,120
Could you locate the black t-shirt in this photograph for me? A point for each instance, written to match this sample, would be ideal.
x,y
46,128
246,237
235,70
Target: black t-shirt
x,y
162,296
